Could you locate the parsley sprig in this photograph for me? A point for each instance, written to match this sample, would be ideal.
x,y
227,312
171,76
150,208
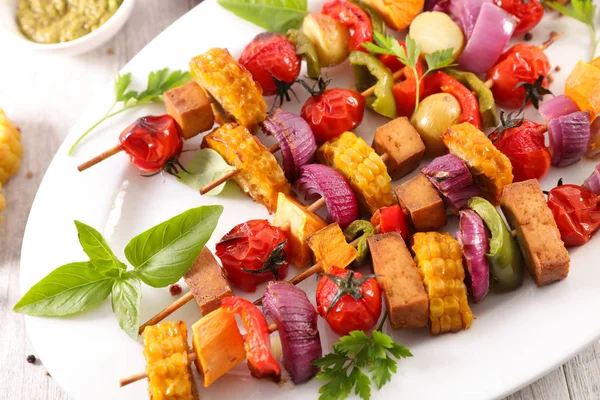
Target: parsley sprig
x,y
583,11
409,57
356,360
158,82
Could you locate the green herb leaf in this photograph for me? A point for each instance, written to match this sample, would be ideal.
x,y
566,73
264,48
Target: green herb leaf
x,y
381,369
352,343
126,299
439,59
121,84
70,289
362,385
272,15
583,11
164,253
100,254
206,166
399,351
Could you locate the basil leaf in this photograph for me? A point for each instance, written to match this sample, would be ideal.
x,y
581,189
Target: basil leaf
x,y
272,15
163,254
206,166
100,254
70,289
126,299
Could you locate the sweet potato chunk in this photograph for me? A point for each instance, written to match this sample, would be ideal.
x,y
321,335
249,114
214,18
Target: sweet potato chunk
x,y
190,107
330,248
421,201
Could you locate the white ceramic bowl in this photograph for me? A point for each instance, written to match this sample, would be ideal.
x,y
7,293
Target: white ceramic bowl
x,y
9,31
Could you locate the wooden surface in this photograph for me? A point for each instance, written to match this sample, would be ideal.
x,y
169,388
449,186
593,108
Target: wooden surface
x,y
44,96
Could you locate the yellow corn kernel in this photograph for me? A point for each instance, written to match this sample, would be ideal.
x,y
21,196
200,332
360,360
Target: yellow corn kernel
x,y
490,168
363,168
260,176
443,275
167,361
330,248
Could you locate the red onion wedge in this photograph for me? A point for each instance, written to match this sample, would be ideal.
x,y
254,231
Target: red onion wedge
x,y
474,240
453,179
557,107
320,180
491,33
296,320
569,137
592,183
295,138
463,12
593,150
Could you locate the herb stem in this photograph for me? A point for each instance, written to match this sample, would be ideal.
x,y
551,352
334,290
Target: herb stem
x,y
385,315
107,116
417,88
595,40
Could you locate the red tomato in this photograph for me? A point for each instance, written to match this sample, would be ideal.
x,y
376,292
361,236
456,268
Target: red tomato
x,y
271,55
520,63
151,142
391,61
252,253
529,13
358,307
334,112
524,146
576,211
391,219
352,17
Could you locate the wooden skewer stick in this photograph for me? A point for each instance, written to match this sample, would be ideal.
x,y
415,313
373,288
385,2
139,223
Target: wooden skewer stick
x,y
100,157
177,304
397,75
192,357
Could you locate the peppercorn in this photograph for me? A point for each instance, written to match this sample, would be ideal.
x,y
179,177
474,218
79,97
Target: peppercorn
x,y
31,359
175,289
528,36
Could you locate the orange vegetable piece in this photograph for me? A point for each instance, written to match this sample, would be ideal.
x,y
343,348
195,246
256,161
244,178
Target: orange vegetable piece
x,y
398,14
583,87
329,247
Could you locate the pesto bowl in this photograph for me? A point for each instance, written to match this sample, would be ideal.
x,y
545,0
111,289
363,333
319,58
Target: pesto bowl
x,y
10,33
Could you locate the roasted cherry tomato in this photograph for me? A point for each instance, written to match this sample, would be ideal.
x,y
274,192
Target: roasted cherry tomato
x,y
352,17
576,211
391,219
524,146
529,13
253,252
271,55
333,112
152,142
520,63
348,300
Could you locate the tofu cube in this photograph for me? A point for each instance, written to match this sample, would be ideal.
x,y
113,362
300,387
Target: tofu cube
x,y
422,203
190,107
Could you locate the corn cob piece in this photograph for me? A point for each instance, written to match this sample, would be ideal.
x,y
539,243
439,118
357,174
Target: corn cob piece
x,y
260,176
439,259
363,168
231,85
11,149
330,248
168,365
490,168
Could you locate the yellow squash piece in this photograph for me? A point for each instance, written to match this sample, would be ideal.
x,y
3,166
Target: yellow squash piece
x,y
490,168
260,176
330,248
231,85
583,87
398,14
439,258
167,361
11,149
299,223
218,345
363,168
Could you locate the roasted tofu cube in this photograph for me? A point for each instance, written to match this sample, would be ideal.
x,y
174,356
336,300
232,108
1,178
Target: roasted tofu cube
x,y
402,144
422,203
299,223
190,107
207,282
402,284
527,212
330,248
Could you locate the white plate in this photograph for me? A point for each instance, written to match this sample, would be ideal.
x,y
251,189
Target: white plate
x,y
516,338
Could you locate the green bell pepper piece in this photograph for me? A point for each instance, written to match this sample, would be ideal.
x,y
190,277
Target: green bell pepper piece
x,y
377,22
305,49
363,230
506,260
485,98
369,71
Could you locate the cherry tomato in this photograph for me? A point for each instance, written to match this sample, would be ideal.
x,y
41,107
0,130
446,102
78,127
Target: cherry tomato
x,y
348,300
524,146
151,142
520,63
352,17
334,112
253,252
391,219
529,13
576,211
271,55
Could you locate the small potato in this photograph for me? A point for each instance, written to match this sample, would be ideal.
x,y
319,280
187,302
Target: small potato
x,y
436,31
435,114
329,37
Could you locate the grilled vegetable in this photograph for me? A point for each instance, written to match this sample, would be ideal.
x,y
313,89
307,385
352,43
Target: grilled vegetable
x,y
363,168
330,248
231,85
490,168
435,31
569,137
167,362
397,14
435,114
259,174
352,17
11,149
439,259
330,38
392,219
583,87
557,107
363,230
369,71
485,98
306,49
473,239
592,182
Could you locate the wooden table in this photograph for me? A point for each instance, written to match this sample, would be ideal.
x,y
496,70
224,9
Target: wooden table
x,y
44,96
